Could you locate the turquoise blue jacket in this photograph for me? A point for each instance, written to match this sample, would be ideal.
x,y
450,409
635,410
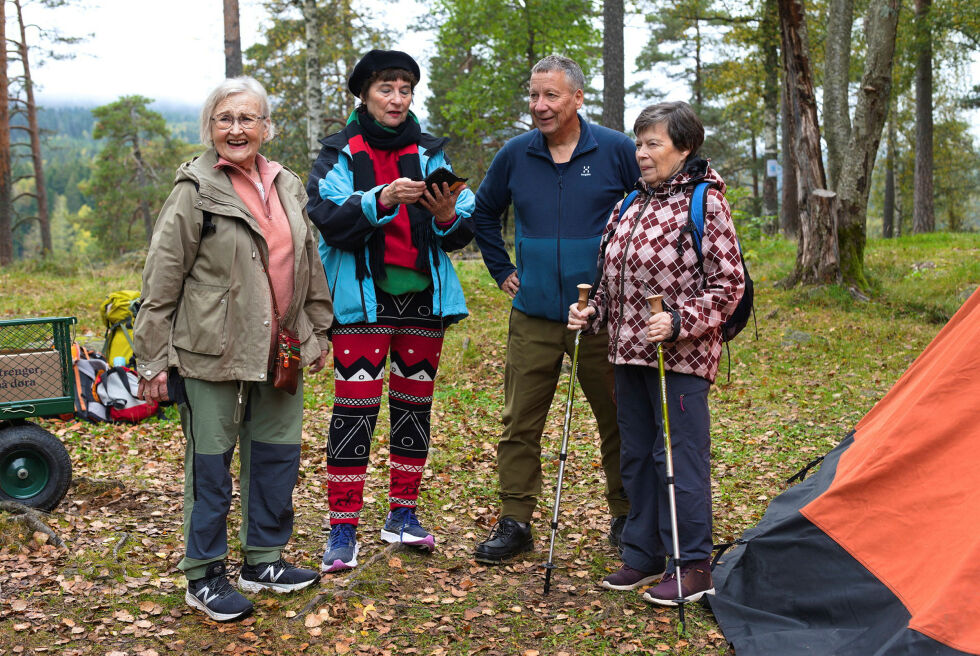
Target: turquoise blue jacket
x,y
344,215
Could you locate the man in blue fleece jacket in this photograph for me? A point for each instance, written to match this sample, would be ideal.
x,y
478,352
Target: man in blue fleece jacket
x,y
563,178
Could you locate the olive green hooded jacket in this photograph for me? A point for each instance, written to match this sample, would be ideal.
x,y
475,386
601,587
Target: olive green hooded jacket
x,y
207,308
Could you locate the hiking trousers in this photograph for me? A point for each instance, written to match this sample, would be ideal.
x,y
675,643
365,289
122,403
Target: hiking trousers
x,y
269,433
535,350
647,535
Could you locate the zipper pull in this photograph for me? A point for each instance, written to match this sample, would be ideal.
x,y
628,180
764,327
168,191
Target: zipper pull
x,y
240,406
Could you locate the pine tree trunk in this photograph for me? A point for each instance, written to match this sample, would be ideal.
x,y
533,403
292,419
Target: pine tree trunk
x,y
817,259
613,90
923,212
314,92
880,26
837,123
789,211
141,184
6,211
233,40
770,102
888,211
40,189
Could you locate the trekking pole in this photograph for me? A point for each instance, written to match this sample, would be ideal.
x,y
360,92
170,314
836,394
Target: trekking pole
x,y
583,300
656,307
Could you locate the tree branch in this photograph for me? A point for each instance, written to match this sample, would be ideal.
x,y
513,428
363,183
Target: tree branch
x,y
29,517
348,582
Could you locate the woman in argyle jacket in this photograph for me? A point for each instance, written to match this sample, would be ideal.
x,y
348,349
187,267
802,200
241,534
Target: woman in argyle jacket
x,y
651,251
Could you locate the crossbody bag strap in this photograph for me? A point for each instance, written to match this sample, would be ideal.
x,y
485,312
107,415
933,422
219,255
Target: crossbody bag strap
x,y
265,267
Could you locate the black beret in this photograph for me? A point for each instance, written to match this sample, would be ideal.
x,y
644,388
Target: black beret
x,y
379,60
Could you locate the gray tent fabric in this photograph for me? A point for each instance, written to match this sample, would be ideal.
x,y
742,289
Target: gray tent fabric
x,y
789,589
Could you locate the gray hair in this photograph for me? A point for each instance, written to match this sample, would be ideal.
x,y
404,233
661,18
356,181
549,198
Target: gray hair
x,y
230,87
684,127
572,71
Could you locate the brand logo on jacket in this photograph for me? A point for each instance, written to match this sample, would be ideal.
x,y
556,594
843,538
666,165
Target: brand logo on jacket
x,y
585,172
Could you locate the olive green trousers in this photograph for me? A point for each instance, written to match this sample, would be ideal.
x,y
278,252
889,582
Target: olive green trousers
x,y
535,350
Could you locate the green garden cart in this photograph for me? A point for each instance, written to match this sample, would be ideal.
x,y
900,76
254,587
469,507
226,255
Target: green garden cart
x,y
36,380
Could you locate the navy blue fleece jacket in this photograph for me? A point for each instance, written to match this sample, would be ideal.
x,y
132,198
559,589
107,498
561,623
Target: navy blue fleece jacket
x,y
559,213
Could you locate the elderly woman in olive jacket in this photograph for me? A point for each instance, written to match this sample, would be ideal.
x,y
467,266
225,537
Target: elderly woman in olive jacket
x,y
233,236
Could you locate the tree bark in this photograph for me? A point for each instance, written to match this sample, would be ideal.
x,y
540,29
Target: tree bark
x,y
880,26
836,115
923,212
770,101
141,182
888,211
314,92
6,209
817,259
233,40
613,90
789,212
40,189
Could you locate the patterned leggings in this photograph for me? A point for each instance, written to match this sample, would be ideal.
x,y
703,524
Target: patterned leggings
x,y
406,327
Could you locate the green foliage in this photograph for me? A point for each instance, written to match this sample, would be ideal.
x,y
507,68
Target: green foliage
x,y
133,173
484,52
279,63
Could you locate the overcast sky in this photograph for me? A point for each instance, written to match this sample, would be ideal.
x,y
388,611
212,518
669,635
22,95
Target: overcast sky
x,y
173,50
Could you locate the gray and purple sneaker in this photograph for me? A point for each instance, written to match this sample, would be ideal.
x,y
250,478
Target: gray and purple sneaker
x,y
341,551
402,526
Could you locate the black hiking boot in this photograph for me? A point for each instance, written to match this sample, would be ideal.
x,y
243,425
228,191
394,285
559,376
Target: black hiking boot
x,y
508,538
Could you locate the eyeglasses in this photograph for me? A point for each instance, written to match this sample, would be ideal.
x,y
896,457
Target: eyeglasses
x,y
226,121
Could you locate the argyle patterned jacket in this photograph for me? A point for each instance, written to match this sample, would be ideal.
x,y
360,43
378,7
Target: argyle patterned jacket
x,y
650,251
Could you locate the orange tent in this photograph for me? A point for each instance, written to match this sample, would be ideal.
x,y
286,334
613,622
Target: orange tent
x,y
879,552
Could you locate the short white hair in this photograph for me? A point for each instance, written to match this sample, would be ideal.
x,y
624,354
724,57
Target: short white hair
x,y
230,87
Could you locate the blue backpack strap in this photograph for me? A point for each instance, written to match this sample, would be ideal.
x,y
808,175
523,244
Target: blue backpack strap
x,y
630,197
698,201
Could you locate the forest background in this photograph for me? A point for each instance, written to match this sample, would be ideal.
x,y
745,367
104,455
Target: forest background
x,y
107,169
865,105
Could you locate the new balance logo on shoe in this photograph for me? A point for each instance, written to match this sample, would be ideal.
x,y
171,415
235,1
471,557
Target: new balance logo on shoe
x,y
279,576
205,595
270,574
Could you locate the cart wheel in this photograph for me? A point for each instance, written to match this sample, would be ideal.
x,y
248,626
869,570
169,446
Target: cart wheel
x,y
35,468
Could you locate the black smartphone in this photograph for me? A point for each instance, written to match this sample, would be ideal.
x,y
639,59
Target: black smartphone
x,y
443,175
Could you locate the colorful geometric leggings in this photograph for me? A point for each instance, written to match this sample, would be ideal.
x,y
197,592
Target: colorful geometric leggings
x,y
406,328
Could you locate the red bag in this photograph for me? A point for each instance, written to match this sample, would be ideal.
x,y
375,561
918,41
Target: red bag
x,y
116,388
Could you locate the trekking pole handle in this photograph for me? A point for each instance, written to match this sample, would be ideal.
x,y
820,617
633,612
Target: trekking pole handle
x,y
583,295
656,303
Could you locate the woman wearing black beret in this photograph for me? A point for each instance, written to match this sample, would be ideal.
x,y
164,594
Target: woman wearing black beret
x,y
384,237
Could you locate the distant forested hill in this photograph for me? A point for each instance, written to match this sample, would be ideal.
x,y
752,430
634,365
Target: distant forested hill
x,y
69,148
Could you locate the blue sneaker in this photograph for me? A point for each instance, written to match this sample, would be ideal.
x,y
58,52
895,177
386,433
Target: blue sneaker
x,y
341,551
403,526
